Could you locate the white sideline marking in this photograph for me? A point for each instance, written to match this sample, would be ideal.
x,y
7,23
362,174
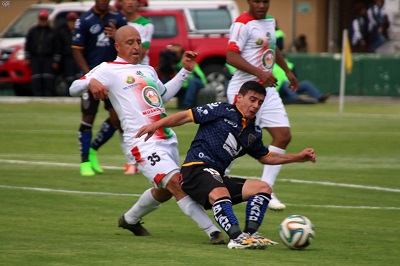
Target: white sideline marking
x,y
249,177
138,195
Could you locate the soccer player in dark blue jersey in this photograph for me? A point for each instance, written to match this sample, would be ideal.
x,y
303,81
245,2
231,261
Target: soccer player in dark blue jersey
x,y
91,45
226,132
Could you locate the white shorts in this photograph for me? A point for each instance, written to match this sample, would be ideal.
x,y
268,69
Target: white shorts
x,y
272,113
159,161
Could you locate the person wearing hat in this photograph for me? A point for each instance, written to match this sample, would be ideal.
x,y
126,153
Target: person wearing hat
x,y
41,53
68,67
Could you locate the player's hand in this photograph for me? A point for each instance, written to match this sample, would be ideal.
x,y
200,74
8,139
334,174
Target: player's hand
x,y
189,60
307,155
110,30
99,91
147,129
267,79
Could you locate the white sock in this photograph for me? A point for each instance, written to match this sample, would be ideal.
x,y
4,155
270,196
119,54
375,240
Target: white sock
x,y
270,172
129,157
196,212
146,204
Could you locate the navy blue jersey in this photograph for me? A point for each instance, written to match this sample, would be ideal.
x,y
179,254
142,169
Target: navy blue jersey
x,y
223,135
89,36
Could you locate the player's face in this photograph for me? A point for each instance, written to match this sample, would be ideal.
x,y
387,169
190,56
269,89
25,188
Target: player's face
x,y
129,47
258,8
102,5
130,6
250,103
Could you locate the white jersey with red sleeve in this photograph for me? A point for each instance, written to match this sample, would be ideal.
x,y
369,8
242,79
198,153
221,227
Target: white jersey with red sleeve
x,y
255,40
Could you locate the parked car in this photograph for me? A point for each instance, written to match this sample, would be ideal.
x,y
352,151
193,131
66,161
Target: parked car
x,y
201,26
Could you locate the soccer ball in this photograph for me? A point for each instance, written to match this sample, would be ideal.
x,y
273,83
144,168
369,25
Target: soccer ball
x,y
296,232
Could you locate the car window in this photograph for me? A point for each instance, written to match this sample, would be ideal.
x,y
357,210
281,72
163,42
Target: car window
x,y
164,26
211,19
22,25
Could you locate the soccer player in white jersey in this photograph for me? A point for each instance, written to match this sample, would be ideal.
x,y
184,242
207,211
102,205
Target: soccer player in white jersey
x,y
138,98
252,51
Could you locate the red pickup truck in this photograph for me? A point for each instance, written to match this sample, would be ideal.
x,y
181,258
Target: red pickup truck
x,y
201,26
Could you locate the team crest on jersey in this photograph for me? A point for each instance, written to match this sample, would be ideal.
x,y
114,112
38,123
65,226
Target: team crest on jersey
x,y
130,80
268,35
268,59
251,139
259,41
151,97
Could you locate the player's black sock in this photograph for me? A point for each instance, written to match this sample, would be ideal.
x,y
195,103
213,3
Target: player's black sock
x,y
105,133
256,207
84,137
224,216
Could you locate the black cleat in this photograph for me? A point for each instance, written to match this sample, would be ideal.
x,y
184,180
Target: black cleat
x,y
137,229
217,238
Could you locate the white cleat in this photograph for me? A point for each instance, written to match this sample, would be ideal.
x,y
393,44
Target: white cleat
x,y
275,204
263,241
243,241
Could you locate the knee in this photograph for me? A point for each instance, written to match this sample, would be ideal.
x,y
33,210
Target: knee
x,y
265,187
161,195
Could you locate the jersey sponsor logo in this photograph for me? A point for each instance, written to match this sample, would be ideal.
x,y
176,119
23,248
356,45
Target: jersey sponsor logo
x,y
232,146
268,59
96,28
130,80
151,97
232,123
102,40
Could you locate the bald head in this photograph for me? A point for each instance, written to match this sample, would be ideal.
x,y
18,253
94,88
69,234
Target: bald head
x,y
124,33
128,44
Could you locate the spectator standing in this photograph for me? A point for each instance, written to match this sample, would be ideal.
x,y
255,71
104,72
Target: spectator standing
x,y
252,51
93,44
69,69
41,54
376,19
138,96
358,29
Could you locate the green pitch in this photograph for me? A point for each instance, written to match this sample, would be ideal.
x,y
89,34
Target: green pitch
x,y
50,215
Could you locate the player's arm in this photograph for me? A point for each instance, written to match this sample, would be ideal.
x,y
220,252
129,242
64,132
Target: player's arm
x,y
176,119
277,158
280,60
80,60
235,59
175,84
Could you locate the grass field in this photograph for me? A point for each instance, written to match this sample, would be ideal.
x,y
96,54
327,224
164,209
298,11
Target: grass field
x,y
50,215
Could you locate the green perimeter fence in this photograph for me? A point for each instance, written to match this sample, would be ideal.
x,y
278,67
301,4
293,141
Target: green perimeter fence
x,y
372,74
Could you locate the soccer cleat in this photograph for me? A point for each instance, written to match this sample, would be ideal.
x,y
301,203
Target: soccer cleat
x,y
137,229
275,204
86,169
243,241
264,242
94,161
131,169
217,238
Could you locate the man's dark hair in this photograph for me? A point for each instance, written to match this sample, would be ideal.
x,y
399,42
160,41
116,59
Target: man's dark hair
x,y
252,86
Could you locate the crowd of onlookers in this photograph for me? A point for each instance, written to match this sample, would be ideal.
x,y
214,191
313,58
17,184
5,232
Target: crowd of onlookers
x,y
369,27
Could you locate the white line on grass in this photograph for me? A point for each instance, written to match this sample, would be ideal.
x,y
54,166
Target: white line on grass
x,y
138,195
250,177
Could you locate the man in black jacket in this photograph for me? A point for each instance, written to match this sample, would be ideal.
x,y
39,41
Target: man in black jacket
x,y
68,68
40,52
